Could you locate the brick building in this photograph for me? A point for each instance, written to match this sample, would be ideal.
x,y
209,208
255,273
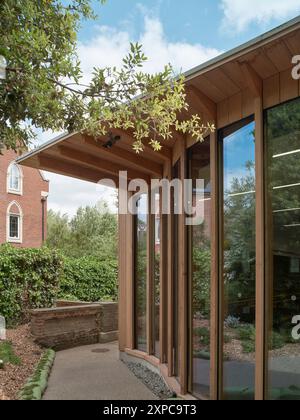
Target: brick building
x,y
23,203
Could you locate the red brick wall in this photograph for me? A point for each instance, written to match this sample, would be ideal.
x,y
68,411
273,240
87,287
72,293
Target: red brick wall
x,y
30,202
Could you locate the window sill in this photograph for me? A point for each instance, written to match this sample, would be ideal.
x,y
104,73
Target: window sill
x,y
14,241
12,192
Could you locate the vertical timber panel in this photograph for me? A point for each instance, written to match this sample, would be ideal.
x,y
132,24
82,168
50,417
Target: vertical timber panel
x,y
260,251
271,95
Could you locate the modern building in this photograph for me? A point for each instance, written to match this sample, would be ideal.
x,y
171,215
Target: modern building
x,y
23,203
216,309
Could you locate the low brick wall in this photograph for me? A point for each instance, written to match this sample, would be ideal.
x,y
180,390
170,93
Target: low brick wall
x,y
81,324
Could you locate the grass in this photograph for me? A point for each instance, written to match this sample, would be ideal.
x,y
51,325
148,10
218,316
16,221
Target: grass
x,y
8,355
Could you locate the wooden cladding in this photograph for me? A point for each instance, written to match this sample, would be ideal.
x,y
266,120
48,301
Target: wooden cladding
x,y
277,89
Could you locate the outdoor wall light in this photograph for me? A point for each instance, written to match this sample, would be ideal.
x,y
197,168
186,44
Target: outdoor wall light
x,y
3,66
111,141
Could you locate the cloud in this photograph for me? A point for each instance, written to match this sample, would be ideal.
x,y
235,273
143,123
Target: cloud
x,y
239,14
107,48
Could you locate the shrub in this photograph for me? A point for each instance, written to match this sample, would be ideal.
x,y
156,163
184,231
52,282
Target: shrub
x,y
247,332
88,279
29,279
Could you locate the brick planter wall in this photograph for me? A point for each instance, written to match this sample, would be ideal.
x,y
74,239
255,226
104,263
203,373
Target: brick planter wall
x,y
67,326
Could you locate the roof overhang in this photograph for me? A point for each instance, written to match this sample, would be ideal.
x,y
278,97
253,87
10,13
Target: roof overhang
x,y
241,69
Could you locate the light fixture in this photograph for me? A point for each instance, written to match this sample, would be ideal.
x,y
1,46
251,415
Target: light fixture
x,y
3,66
281,187
112,140
292,152
286,210
241,193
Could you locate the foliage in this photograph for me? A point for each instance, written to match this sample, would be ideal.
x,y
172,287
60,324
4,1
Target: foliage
x,y
88,279
201,279
44,85
28,279
7,354
276,341
203,334
91,232
247,335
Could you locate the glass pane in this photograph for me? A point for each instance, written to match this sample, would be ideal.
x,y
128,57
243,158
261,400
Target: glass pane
x,y
14,227
141,274
200,271
283,250
176,175
157,278
239,262
14,180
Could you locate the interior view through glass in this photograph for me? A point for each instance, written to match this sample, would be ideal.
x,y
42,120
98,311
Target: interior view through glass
x,y
239,258
283,249
200,273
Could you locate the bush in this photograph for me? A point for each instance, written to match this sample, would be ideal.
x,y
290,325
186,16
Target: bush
x,y
29,279
88,279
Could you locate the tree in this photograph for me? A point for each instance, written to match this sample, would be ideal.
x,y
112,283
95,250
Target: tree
x,y
43,86
91,232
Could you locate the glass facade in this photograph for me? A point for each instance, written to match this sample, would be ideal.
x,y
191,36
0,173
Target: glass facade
x,y
141,258
239,257
200,273
283,250
234,351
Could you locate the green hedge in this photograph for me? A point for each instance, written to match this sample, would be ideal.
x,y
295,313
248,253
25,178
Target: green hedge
x,y
89,280
35,278
29,279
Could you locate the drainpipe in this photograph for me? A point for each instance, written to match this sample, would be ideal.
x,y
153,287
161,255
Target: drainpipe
x,y
44,197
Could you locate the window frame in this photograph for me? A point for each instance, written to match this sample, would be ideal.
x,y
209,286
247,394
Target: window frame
x,y
19,239
11,190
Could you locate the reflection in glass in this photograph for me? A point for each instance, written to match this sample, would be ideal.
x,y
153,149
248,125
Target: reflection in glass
x,y
176,175
200,272
283,249
156,294
141,229
239,261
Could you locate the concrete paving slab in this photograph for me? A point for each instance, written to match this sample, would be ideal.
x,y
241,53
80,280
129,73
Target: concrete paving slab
x,y
83,374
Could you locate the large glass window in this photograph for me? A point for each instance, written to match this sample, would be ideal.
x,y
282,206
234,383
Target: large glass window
x,y
141,231
156,278
283,250
176,175
239,257
200,273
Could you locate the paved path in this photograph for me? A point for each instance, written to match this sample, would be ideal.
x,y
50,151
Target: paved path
x,y
81,374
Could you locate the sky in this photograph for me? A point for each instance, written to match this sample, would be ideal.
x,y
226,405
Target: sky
x,y
183,33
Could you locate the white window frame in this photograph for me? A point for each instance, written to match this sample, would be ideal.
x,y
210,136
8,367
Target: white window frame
x,y
19,239
12,190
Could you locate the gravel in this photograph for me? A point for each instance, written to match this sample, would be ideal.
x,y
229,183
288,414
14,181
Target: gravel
x,y
151,379
12,378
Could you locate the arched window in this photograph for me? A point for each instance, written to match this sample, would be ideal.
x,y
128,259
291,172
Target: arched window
x,y
14,223
14,179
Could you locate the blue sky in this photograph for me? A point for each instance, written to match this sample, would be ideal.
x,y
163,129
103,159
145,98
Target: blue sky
x,y
183,33
194,21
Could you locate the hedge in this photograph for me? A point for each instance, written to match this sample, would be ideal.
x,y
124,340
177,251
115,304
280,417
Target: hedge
x,y
35,278
89,280
29,279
